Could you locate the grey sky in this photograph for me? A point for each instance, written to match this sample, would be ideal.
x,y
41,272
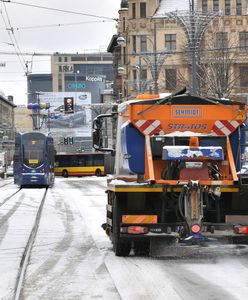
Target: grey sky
x,y
93,34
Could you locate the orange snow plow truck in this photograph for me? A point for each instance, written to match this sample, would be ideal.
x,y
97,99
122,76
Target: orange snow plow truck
x,y
178,185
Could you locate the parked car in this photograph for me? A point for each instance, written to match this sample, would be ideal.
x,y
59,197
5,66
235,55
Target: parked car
x,y
10,171
71,120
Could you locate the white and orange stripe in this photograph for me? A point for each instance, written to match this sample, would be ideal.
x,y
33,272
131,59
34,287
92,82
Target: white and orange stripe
x,y
149,127
225,127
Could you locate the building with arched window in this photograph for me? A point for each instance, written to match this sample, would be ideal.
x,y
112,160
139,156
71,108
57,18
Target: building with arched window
x,y
169,44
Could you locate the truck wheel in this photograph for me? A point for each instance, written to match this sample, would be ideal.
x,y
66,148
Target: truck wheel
x,y
121,249
65,173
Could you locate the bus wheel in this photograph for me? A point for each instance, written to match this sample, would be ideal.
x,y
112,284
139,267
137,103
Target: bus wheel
x,y
98,172
65,173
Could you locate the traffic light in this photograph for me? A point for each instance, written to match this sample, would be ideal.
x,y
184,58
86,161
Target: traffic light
x,y
69,105
45,105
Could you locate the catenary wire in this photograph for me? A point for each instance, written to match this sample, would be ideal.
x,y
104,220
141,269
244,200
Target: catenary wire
x,y
58,25
59,10
13,38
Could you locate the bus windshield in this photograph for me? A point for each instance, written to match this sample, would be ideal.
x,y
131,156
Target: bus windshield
x,y
33,150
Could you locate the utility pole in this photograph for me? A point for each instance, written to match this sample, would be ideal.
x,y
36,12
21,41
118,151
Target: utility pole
x,y
193,45
156,90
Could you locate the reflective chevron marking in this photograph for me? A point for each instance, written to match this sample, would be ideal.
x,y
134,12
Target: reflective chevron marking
x,y
225,127
139,219
149,127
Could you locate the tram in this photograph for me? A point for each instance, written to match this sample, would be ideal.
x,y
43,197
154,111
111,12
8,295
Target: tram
x,y
34,160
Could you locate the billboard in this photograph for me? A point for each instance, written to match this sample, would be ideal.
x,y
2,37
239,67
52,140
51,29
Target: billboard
x,y
70,113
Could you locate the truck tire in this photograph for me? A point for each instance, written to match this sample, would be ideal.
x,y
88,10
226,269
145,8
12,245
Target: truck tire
x,y
121,248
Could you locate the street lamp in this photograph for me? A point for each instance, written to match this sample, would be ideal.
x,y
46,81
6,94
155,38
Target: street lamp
x,y
155,73
120,41
76,87
137,68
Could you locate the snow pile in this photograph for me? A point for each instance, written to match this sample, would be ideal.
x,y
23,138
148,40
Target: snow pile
x,y
167,6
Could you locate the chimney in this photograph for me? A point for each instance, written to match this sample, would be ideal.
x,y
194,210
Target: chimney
x,y
11,99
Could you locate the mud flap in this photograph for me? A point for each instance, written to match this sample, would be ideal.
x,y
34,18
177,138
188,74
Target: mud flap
x,y
161,248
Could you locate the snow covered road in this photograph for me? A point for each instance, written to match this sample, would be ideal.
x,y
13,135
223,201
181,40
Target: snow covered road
x,y
72,258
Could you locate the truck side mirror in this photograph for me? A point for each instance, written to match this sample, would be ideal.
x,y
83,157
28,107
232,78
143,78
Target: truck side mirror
x,y
97,123
97,140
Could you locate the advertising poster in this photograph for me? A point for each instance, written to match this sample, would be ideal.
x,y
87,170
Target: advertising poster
x,y
69,112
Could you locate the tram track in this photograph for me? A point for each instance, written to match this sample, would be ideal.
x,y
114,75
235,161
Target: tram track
x,y
5,183
20,214
9,197
27,251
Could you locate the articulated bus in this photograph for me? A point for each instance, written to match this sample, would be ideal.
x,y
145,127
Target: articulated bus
x,y
34,159
80,164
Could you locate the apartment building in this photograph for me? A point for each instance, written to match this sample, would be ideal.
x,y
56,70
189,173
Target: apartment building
x,y
7,126
163,45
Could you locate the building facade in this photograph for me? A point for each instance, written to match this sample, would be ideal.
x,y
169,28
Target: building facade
x,y
7,126
80,78
68,69
169,44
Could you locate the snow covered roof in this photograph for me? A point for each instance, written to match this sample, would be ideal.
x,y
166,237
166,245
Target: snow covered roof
x,y
167,6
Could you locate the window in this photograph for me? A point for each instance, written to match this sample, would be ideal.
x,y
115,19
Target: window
x,y
215,5
124,23
60,85
133,10
135,74
143,44
143,10
227,7
65,59
143,74
170,79
222,40
243,71
243,41
60,59
204,6
170,42
134,43
78,58
239,7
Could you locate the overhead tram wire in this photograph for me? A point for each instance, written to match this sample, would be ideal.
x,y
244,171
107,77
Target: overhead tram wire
x,y
58,25
13,39
26,53
59,10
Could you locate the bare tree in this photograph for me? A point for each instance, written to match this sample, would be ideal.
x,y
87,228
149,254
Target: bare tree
x,y
215,63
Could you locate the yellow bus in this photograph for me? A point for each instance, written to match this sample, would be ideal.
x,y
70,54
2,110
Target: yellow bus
x,y
80,164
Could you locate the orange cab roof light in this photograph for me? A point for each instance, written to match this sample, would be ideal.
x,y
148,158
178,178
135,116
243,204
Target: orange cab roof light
x,y
147,96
